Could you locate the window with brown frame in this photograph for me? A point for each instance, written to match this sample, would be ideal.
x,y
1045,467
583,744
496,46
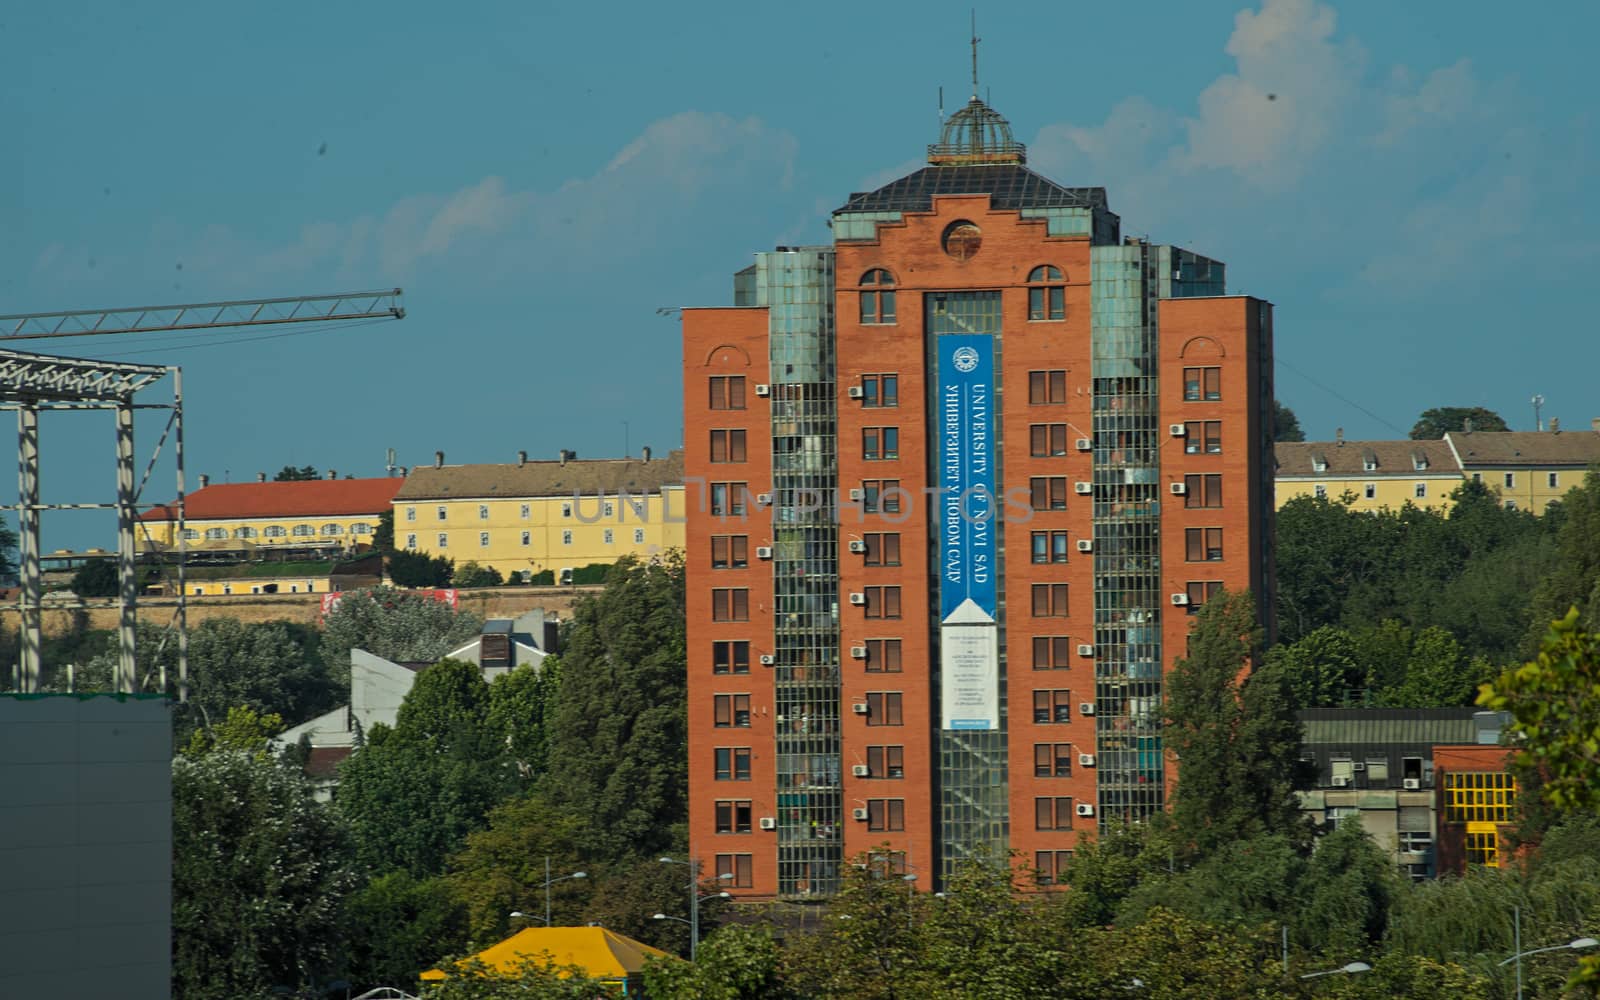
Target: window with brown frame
x,y
1052,652
886,815
1051,707
886,762
1047,387
1047,293
729,498
730,551
730,604
1052,812
1049,600
1202,544
727,392
883,548
1201,591
1202,491
1202,437
733,763
1047,440
1050,546
883,656
877,296
883,708
728,446
1052,760
880,443
1051,866
1202,384
881,495
1048,492
732,710
883,602
733,816
737,867
880,390
730,656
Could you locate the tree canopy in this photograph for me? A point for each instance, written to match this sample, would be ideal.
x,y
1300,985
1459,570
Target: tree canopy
x,y
1436,423
96,578
1285,425
290,474
395,624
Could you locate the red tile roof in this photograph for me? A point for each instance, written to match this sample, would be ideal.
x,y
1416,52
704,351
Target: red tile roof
x,y
307,498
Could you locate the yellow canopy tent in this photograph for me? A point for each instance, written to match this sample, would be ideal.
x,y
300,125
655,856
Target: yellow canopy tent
x,y
602,954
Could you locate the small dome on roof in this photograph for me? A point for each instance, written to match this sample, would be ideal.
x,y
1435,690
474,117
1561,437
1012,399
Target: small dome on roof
x,y
976,134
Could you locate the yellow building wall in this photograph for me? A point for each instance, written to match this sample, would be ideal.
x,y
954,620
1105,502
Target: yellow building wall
x,y
1531,488
314,529
255,585
542,533
1387,494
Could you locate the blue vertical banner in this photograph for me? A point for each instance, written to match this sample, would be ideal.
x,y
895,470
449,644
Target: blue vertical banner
x,y
969,645
967,421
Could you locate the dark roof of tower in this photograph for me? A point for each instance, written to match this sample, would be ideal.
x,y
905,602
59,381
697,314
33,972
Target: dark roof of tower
x,y
1009,186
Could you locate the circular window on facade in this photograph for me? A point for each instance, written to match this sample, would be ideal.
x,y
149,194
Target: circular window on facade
x,y
962,239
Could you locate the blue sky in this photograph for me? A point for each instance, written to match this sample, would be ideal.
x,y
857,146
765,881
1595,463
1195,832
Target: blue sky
x,y
1416,196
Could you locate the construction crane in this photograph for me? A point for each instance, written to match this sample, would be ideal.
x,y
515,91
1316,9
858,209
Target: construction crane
x,y
30,383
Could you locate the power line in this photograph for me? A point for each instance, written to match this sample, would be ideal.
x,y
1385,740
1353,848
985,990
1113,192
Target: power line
x,y
212,341
1343,399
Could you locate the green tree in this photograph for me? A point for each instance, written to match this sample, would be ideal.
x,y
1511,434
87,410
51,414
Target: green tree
x,y
244,731
383,534
269,667
618,735
96,578
418,569
735,963
398,925
501,867
1436,423
397,625
1285,425
290,474
1574,580
521,701
1322,668
1170,957
1106,869
258,872
869,947
538,978
1344,898
8,551
412,794
470,574
1234,733
1243,883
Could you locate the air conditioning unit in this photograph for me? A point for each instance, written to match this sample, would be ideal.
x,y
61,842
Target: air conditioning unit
x,y
857,545
860,708
859,770
856,494
854,392
858,814
1412,784
1085,708
763,389
768,659
1085,545
1084,487
1176,430
1178,489
763,552
1086,650
1086,760
1085,444
1179,600
857,598
1085,809
858,652
764,500
1341,781
769,822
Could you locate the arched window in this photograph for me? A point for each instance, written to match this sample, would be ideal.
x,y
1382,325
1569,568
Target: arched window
x,y
302,530
216,534
332,529
363,528
877,296
1047,293
274,531
245,532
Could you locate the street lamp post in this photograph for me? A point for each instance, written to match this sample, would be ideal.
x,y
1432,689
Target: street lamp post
x,y
695,899
1351,969
1577,944
548,882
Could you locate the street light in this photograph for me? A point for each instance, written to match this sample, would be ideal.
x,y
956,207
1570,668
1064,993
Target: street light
x,y
693,864
548,882
1351,969
1576,944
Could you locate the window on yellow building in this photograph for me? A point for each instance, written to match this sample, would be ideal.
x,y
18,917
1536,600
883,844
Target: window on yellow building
x,y
483,512
483,539
216,534
245,532
1422,491
411,542
444,540
527,538
332,529
609,537
526,511
1371,491
411,513
1483,848
190,534
1554,480
274,531
566,510
638,536
361,528
442,512
566,538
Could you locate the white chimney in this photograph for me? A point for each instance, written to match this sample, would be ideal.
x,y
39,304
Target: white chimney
x,y
205,480
438,460
261,477
333,473
644,453
522,459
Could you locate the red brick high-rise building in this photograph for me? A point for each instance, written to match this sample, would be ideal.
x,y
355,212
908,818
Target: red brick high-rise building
x,y
956,484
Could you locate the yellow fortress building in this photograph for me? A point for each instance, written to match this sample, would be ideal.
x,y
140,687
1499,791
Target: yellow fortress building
x,y
1371,475
524,518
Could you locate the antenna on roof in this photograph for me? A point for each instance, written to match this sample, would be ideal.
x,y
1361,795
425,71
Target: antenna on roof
x,y
975,41
941,105
388,465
